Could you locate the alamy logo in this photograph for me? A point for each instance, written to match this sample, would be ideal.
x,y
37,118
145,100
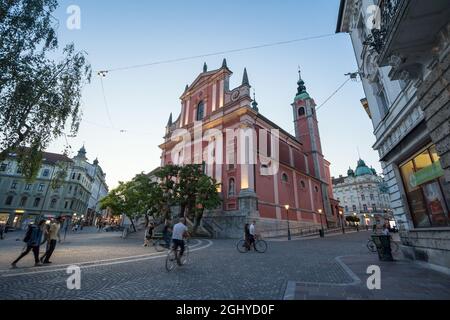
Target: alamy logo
x,y
242,145
74,280
74,20
374,280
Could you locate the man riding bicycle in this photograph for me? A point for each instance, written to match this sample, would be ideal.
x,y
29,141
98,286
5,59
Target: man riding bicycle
x,y
180,231
252,236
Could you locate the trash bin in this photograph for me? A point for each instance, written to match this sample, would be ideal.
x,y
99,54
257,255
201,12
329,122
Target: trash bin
x,y
321,233
383,244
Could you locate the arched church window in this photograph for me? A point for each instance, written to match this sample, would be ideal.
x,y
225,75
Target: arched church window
x,y
284,177
302,184
301,111
200,111
231,186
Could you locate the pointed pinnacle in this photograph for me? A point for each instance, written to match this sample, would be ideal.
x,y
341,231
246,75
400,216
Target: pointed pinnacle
x,y
224,63
245,81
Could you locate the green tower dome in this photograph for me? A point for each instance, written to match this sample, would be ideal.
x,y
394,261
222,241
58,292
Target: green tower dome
x,y
362,169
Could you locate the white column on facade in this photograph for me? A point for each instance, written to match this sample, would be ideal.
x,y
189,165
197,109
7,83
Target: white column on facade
x,y
186,119
313,208
222,97
295,190
276,196
291,156
306,163
183,110
214,97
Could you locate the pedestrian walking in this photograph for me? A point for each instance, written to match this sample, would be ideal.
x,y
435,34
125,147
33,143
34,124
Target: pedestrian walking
x,y
33,239
52,238
2,230
148,234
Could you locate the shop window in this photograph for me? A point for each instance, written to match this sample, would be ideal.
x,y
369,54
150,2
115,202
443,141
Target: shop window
x,y
421,177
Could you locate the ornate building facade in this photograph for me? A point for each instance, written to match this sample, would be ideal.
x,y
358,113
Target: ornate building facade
x,y
364,194
23,202
402,49
261,167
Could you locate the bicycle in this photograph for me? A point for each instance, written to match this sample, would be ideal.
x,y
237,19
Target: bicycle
x,y
171,259
373,248
260,245
160,245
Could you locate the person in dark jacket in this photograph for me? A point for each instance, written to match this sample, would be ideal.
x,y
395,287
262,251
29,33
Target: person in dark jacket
x,y
247,236
33,240
2,230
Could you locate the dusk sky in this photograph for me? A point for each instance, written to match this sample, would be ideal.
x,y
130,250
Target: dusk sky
x,y
122,33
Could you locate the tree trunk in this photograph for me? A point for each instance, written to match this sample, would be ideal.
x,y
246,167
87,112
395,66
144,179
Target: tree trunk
x,y
198,219
182,210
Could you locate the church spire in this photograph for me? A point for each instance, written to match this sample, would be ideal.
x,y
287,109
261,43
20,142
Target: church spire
x,y
169,123
254,103
224,63
205,67
245,81
302,94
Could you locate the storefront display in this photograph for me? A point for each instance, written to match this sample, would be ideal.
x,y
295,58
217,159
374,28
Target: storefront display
x,y
421,177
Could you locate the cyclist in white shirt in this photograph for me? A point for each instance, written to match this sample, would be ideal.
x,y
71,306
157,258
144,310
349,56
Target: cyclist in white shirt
x,y
180,231
252,235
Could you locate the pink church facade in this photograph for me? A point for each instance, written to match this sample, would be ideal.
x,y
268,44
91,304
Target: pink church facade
x,y
261,167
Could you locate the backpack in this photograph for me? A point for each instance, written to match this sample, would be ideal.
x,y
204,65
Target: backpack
x,y
27,237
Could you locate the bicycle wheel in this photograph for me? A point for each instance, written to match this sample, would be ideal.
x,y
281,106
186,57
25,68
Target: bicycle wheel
x,y
185,257
171,261
241,246
394,246
371,246
160,245
261,246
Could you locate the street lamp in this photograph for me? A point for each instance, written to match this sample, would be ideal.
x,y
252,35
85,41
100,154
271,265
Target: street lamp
x,y
342,221
287,213
322,234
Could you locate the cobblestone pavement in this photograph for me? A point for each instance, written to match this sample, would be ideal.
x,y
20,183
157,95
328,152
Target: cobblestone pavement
x,y
113,268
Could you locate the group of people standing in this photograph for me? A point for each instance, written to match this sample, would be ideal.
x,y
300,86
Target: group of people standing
x,y
36,236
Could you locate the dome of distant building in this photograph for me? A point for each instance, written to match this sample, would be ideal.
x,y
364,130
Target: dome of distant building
x,y
362,169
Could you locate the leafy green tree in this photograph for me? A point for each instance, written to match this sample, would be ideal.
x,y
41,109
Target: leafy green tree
x,y
39,97
169,193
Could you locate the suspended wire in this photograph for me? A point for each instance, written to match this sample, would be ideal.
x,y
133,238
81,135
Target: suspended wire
x,y
106,102
333,94
273,44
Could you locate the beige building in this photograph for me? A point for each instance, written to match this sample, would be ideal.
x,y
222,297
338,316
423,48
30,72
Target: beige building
x,y
23,202
402,48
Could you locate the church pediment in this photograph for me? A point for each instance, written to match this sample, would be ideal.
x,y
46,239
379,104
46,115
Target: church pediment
x,y
205,78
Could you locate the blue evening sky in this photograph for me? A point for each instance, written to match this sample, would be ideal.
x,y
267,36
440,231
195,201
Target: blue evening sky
x,y
122,33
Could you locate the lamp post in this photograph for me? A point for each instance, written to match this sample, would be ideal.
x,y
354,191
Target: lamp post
x,y
322,234
287,213
341,214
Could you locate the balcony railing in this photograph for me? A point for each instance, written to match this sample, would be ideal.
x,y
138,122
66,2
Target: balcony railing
x,y
388,11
